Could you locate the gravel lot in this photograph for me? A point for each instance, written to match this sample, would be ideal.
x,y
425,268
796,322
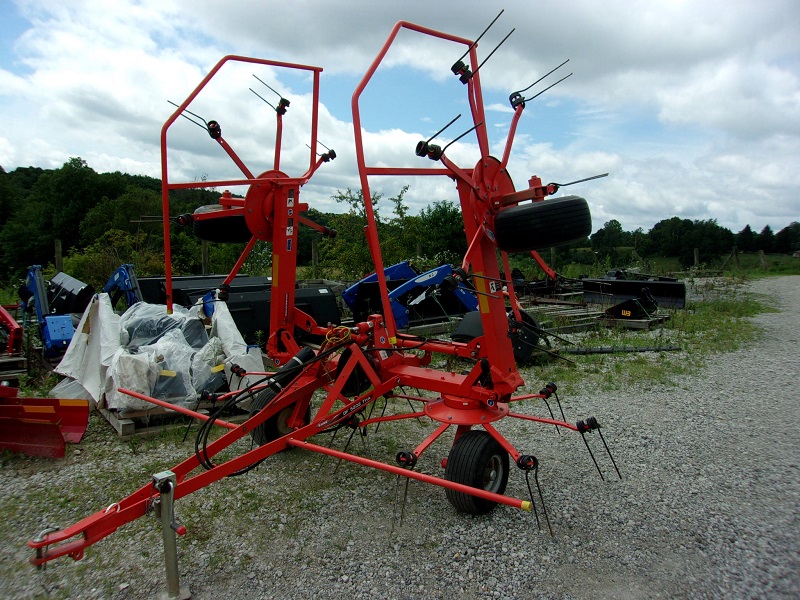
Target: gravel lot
x,y
708,507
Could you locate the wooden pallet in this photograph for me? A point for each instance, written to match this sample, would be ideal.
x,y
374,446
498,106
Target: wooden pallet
x,y
12,367
136,423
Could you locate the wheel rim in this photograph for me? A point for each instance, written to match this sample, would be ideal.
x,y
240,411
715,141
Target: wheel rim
x,y
278,424
282,420
476,460
492,474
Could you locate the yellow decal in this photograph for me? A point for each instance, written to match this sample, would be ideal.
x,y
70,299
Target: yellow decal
x,y
483,301
81,403
39,409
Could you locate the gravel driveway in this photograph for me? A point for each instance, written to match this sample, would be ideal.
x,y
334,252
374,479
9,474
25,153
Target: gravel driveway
x,y
708,507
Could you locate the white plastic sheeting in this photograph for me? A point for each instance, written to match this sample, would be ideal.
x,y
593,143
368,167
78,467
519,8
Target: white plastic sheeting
x,y
93,347
166,356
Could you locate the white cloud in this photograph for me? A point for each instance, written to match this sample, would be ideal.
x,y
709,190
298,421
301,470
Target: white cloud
x,y
693,107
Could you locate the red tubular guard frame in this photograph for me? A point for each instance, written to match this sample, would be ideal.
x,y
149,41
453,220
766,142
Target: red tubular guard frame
x,y
477,192
166,186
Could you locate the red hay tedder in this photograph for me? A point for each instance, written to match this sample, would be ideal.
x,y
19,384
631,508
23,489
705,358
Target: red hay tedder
x,y
347,369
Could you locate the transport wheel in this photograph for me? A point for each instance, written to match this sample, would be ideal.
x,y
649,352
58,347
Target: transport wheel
x,y
479,461
538,225
277,425
528,337
525,342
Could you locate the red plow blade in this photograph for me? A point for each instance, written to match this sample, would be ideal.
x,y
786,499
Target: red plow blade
x,y
41,426
34,438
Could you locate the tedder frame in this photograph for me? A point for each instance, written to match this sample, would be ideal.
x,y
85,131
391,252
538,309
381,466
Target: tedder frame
x,y
327,375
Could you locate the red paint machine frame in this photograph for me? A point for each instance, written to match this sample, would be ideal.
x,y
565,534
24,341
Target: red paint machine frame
x,y
329,385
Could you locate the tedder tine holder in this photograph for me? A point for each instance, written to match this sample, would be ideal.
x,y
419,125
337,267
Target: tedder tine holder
x,y
590,424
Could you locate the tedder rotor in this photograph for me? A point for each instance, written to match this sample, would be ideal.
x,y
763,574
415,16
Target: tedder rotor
x,y
328,375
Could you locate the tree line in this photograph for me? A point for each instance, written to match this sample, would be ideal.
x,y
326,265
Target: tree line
x,y
104,220
679,238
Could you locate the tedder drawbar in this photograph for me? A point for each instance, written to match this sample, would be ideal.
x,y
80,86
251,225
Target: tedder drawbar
x,y
346,369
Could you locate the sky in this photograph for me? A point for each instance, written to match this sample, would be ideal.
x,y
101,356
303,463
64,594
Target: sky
x,y
691,106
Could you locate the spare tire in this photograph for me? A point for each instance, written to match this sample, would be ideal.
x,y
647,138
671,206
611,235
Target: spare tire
x,y
537,225
224,228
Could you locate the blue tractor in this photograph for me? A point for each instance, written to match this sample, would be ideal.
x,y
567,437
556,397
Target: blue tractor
x,y
53,302
416,298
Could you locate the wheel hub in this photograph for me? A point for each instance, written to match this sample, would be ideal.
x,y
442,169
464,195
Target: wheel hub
x,y
464,411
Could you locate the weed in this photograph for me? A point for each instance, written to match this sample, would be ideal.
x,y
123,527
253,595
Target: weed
x,y
134,444
37,384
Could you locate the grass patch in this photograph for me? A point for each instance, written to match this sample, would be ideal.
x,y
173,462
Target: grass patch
x,y
721,322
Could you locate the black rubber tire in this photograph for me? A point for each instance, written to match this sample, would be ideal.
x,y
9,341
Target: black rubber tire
x,y
479,461
358,381
529,337
538,225
223,229
274,427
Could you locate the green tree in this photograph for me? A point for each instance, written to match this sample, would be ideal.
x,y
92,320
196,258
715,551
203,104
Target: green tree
x,y
8,197
24,178
607,240
69,192
96,263
667,237
397,233
25,225
53,209
766,239
26,239
788,239
441,232
746,240
347,255
123,213
678,237
709,238
306,236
